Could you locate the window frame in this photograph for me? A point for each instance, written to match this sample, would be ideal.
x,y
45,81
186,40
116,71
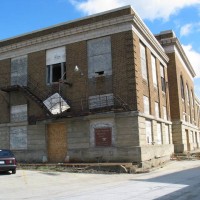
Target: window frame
x,y
182,88
154,70
143,61
49,73
157,110
146,100
159,134
162,76
149,135
187,94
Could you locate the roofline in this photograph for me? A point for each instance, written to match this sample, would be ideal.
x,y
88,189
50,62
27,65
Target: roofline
x,y
135,20
150,35
180,48
65,23
176,42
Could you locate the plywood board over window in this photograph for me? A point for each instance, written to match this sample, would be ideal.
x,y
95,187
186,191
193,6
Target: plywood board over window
x,y
159,134
100,101
18,138
148,132
18,113
19,70
143,61
146,105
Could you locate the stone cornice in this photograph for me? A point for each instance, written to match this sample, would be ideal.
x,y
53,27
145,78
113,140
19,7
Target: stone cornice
x,y
68,32
84,32
175,42
150,37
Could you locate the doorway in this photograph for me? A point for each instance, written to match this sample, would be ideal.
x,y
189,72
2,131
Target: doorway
x,y
57,142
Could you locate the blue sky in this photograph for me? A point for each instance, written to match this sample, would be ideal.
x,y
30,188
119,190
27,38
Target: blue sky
x,y
182,16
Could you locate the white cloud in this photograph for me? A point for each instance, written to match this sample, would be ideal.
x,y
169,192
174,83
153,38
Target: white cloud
x,y
186,29
151,9
95,6
194,58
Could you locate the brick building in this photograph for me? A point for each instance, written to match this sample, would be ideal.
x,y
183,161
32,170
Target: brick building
x,y
184,104
89,90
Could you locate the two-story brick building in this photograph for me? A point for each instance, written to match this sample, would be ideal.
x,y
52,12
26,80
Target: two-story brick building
x,y
184,105
89,90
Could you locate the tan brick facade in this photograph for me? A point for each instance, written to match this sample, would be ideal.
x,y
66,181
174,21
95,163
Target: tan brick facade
x,y
99,98
185,127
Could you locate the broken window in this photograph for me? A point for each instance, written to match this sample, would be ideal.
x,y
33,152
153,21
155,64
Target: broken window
x,y
99,57
56,104
56,64
56,72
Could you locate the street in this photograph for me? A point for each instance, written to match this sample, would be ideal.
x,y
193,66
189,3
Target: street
x,y
178,180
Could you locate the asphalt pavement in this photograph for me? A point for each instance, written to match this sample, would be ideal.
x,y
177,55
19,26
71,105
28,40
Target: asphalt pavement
x,y
178,180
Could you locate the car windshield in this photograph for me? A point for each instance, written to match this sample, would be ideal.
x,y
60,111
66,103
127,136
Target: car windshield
x,y
5,153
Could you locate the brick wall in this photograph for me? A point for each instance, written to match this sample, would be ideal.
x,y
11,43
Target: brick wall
x,y
124,80
4,97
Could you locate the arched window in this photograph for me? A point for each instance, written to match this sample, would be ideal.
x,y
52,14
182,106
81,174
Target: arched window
x,y
182,89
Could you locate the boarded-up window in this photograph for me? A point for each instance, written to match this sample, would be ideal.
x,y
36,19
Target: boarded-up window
x,y
143,61
18,138
99,57
154,70
164,112
19,71
146,104
159,134
192,99
157,111
167,134
187,94
18,113
148,132
103,137
100,101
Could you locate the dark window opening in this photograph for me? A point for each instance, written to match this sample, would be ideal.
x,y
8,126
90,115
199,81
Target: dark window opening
x,y
182,89
100,73
56,73
163,84
48,73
